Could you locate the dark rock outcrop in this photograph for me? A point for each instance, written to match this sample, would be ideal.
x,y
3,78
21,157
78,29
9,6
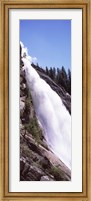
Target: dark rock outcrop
x,y
37,162
66,98
40,165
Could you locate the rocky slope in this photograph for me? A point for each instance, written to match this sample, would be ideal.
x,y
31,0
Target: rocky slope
x,y
66,98
37,162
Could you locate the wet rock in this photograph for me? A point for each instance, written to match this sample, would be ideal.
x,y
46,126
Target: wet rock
x,y
30,177
26,169
22,164
37,160
22,105
46,178
45,163
34,147
37,172
66,99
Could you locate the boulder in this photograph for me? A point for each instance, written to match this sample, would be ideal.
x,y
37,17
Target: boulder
x,y
26,169
46,178
22,105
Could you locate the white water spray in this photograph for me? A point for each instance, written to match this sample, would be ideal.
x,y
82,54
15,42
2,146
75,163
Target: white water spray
x,y
51,113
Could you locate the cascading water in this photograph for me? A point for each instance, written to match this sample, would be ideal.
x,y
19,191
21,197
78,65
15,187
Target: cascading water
x,y
54,118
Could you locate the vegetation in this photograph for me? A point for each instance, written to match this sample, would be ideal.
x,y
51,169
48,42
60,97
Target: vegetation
x,y
57,173
35,156
33,128
24,150
29,119
59,75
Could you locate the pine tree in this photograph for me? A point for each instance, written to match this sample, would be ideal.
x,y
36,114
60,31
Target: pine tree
x,y
69,82
47,72
54,73
51,73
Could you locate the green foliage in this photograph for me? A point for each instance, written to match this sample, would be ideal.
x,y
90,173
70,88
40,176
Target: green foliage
x,y
47,71
69,81
29,120
61,77
28,102
25,151
57,173
33,128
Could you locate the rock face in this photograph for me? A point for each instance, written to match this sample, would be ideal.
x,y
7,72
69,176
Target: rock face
x,y
37,162
66,98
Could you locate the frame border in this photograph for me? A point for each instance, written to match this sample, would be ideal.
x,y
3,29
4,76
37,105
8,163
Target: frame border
x,y
5,5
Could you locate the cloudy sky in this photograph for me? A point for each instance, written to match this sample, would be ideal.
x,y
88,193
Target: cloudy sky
x,y
48,40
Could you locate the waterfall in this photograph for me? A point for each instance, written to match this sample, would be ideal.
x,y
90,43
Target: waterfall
x,y
53,116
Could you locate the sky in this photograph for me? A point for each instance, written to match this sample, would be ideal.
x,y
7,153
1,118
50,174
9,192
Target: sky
x,y
48,40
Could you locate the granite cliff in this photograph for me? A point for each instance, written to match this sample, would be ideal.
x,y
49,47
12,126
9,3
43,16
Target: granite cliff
x,y
37,162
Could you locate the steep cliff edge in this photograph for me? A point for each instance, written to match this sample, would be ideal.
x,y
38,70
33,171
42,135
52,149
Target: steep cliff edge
x,y
66,98
37,162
